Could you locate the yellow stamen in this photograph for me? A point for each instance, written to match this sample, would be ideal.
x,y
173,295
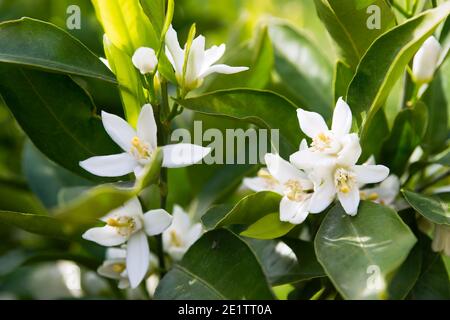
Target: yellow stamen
x,y
140,148
344,180
373,196
118,267
176,241
294,190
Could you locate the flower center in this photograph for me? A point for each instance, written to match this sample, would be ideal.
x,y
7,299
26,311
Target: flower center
x,y
372,196
175,239
124,225
270,181
140,149
118,267
344,180
294,191
321,142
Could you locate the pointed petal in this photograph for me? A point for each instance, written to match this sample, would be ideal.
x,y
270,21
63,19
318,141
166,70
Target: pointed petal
x,y
389,189
350,201
351,150
257,184
195,61
105,236
212,55
138,258
115,165
282,170
303,145
342,118
222,68
291,211
156,221
311,123
173,51
370,174
307,159
183,155
194,234
181,221
323,196
119,130
146,126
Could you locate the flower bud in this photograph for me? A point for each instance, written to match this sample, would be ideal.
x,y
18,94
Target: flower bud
x,y
145,60
426,61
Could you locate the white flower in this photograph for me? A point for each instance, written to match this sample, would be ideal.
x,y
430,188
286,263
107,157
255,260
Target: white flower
x,y
441,239
115,266
426,61
294,186
139,146
327,145
181,234
344,178
128,224
199,63
145,60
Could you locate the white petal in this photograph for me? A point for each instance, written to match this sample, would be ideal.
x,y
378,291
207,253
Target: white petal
x,y
389,189
177,253
311,123
370,174
124,283
119,130
342,118
282,170
138,258
146,126
115,165
257,184
173,51
351,150
426,60
222,68
371,160
195,61
293,211
212,55
181,220
145,60
105,236
323,195
107,270
183,155
194,234
307,159
303,145
350,201
116,254
156,221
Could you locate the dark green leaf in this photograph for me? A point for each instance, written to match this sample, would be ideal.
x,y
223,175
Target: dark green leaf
x,y
431,208
268,227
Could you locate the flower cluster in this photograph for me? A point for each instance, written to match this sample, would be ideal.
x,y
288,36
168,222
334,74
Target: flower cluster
x,y
320,172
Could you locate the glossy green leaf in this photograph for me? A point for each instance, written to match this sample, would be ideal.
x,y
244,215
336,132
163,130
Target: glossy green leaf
x,y
343,75
356,256
213,269
379,131
347,22
126,24
99,201
431,208
156,12
302,72
57,115
407,133
55,51
247,211
130,83
38,224
385,62
268,227
262,108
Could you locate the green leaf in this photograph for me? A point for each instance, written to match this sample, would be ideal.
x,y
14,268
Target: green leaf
x,y
57,51
218,266
130,83
156,12
262,108
126,24
297,57
99,201
57,115
256,54
268,227
431,208
347,23
38,224
247,211
433,282
356,256
379,131
407,133
343,75
385,62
